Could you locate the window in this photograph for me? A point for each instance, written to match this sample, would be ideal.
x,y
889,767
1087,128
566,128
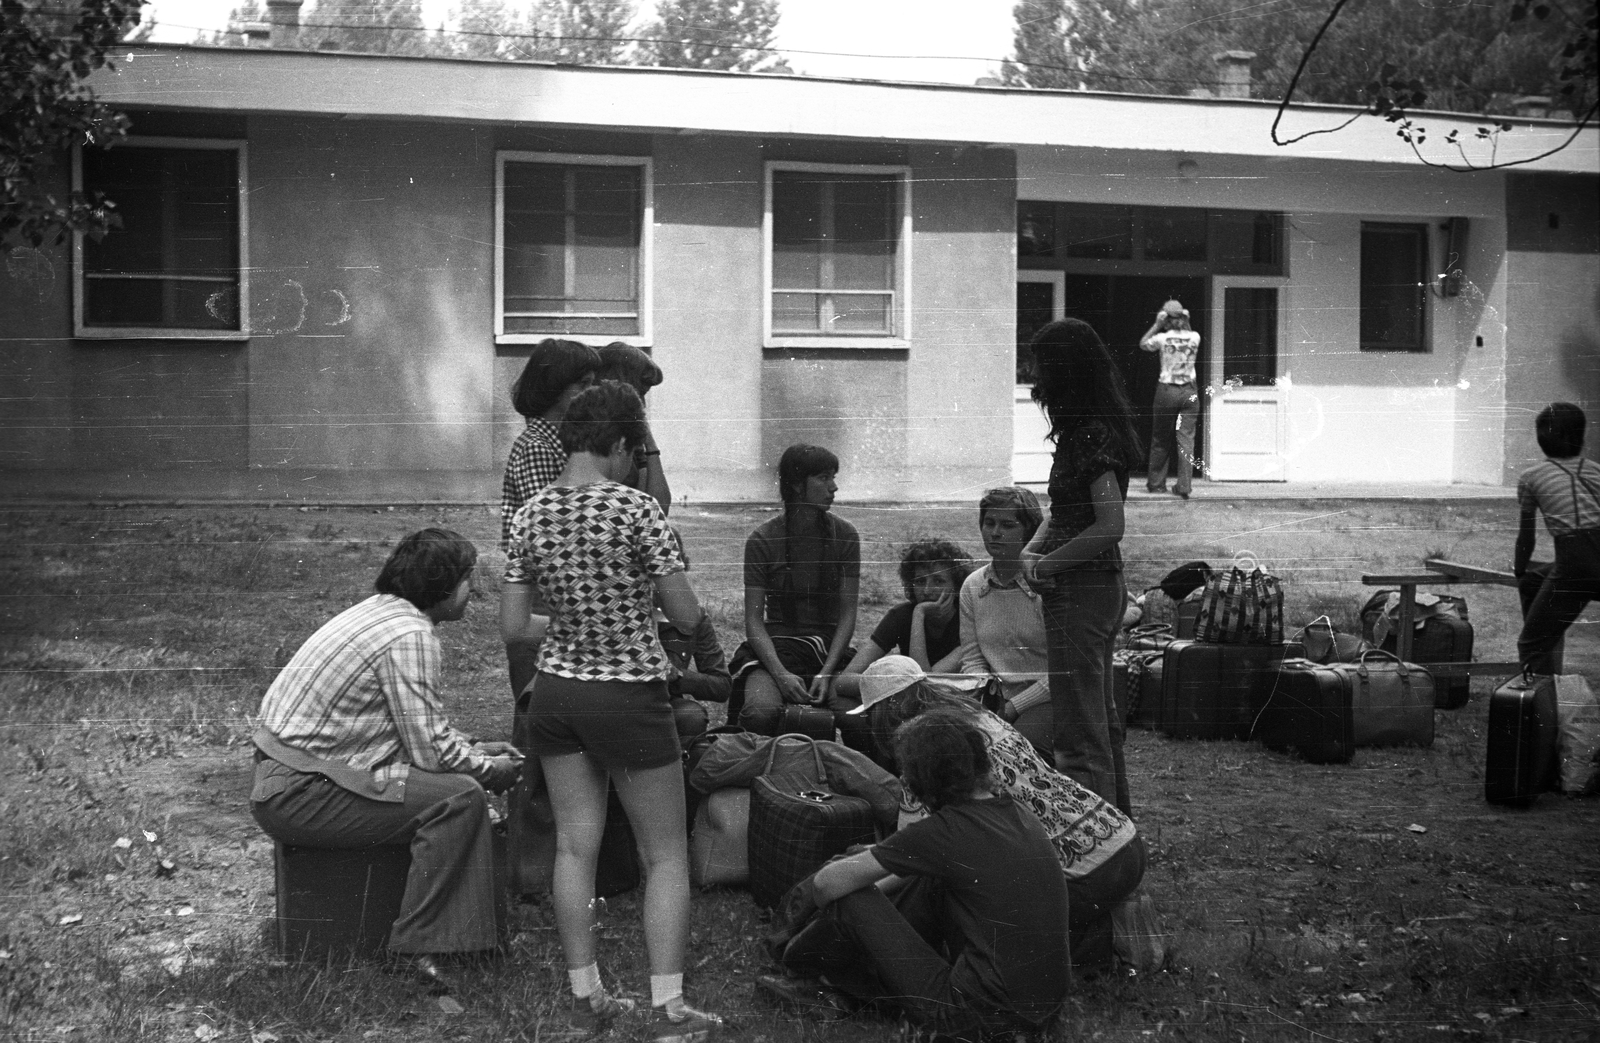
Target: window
x,y
838,245
573,248
1394,287
1102,233
175,268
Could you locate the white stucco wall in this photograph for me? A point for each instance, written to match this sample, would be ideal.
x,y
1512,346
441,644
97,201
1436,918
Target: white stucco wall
x,y
1435,416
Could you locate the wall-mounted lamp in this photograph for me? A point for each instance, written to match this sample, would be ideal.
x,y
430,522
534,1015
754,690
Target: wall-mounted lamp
x,y
1188,168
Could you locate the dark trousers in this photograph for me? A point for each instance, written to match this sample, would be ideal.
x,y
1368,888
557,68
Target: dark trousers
x,y
1173,414
1082,611
449,904
530,820
1572,582
894,950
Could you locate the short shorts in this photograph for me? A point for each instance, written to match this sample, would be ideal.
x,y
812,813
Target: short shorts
x,y
621,724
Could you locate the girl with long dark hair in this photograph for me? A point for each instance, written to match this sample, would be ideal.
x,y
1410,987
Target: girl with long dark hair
x,y
1074,560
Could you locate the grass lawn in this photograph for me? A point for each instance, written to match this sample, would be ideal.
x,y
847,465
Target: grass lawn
x,y
1377,900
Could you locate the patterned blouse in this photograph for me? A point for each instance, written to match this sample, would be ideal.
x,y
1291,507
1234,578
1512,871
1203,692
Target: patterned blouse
x,y
1080,458
1084,828
536,460
594,551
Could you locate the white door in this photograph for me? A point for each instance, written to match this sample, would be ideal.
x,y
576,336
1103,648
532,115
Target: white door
x,y
1041,298
1248,431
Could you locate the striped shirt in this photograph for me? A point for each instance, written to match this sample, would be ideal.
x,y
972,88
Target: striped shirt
x,y
536,460
1567,491
363,692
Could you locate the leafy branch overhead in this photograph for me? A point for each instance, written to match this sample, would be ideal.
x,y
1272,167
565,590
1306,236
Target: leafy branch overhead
x,y
47,49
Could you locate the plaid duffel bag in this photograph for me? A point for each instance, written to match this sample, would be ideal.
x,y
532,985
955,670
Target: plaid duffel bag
x,y
795,827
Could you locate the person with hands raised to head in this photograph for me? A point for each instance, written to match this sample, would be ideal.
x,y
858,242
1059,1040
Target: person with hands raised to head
x,y
1176,407
354,750
1074,560
802,576
603,557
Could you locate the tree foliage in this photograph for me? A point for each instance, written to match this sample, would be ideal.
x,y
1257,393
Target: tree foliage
x,y
1462,55
47,49
372,26
735,35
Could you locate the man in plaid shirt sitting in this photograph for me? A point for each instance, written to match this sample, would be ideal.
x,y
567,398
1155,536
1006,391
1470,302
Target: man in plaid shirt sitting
x,y
354,750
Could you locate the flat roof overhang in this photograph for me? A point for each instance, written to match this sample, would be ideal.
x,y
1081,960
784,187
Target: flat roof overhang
x,y
264,81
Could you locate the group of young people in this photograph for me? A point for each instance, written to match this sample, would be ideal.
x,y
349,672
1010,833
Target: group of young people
x,y
595,577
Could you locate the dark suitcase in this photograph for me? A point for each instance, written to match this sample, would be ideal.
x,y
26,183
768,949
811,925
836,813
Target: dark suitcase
x,y
1309,712
342,902
813,721
1521,754
1440,639
795,827
1392,702
1211,691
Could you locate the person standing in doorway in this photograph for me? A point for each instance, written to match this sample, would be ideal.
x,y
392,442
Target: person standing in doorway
x,y
1177,402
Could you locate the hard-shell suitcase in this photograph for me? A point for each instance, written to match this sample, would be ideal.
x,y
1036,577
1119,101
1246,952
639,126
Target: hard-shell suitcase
x,y
1521,755
1392,701
1309,712
1212,691
795,827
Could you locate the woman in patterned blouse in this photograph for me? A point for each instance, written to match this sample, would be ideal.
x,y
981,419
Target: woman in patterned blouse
x,y
602,556
1101,853
1073,560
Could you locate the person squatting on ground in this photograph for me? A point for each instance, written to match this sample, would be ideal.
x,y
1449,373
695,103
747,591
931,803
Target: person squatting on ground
x,y
603,555
1176,407
1565,487
1002,618
927,625
1101,854
802,574
1074,561
959,918
354,750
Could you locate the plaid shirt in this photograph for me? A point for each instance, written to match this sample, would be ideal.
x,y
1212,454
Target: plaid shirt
x,y
536,460
363,692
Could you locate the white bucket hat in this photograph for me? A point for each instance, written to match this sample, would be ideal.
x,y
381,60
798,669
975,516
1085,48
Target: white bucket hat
x,y
891,674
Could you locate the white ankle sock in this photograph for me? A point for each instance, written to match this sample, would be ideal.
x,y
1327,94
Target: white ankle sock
x,y
666,990
585,980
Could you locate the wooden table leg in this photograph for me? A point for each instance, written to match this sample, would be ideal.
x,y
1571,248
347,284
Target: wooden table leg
x,y
1408,602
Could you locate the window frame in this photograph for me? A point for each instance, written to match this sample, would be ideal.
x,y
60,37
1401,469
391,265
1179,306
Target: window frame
x,y
1424,342
241,149
900,337
646,336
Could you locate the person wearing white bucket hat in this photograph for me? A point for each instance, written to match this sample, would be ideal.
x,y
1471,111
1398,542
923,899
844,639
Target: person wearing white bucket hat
x,y
889,675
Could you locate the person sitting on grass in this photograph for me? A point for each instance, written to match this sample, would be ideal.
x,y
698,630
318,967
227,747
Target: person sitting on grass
x,y
1565,487
958,920
697,670
802,575
354,750
1101,854
927,625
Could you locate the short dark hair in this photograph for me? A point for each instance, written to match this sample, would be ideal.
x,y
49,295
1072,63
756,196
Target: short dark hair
x,y
631,365
939,554
553,366
1560,427
1013,498
943,757
602,414
800,462
427,567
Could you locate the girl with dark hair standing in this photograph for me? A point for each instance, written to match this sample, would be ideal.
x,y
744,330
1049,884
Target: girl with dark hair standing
x,y
802,575
1074,559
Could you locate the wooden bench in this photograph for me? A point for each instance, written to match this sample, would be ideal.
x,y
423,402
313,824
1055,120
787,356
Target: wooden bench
x,y
1440,572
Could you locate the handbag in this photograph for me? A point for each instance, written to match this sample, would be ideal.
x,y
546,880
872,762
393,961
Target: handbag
x,y
1241,608
1325,645
1391,702
719,847
796,825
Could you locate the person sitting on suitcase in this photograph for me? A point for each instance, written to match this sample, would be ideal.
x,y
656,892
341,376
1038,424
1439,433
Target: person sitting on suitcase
x,y
802,575
1565,488
959,920
697,670
926,626
354,750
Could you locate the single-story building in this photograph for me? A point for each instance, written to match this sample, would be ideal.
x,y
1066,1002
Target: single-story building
x,y
332,267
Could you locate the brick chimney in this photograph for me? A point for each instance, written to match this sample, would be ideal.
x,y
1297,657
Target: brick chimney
x,y
257,34
284,18
1233,73
1534,105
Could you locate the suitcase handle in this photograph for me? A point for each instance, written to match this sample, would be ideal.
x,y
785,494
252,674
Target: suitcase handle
x,y
1378,653
816,754
1149,629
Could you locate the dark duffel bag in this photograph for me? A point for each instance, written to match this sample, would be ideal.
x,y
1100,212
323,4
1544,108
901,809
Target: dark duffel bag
x,y
1308,712
1211,691
796,825
1521,748
815,722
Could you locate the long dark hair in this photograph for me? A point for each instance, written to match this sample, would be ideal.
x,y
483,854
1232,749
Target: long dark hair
x,y
1078,382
